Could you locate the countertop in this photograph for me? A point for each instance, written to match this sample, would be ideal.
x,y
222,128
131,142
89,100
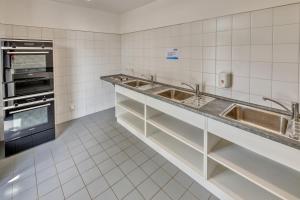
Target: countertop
x,y
212,109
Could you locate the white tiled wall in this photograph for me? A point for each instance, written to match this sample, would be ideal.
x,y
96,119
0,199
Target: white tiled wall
x,y
259,48
80,58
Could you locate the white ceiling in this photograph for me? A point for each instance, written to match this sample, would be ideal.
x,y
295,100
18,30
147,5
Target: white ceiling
x,y
116,6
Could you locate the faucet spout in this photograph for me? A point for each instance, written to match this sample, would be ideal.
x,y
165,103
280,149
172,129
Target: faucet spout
x,y
196,89
294,111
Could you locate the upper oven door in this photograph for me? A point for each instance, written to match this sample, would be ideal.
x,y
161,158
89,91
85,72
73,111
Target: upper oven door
x,y
20,122
26,63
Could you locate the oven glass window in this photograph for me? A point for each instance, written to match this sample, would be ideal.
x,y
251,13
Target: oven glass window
x,y
25,62
30,118
32,86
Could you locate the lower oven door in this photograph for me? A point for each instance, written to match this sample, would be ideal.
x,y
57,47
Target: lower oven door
x,y
25,121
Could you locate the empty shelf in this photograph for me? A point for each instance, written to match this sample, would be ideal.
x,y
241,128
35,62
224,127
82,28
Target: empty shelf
x,y
133,107
237,187
133,123
273,177
187,155
188,134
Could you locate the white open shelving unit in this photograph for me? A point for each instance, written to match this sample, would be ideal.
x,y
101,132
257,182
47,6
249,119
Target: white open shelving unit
x,y
184,153
273,177
216,155
185,133
238,187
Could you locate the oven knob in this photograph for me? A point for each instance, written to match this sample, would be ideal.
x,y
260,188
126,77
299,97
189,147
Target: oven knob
x,y
14,45
16,104
44,99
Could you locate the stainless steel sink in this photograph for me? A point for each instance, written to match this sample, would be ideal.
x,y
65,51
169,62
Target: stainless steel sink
x,y
258,118
120,78
175,94
136,83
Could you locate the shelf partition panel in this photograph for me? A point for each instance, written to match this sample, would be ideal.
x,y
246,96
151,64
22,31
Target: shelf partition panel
x,y
185,133
273,177
186,154
238,187
133,107
134,124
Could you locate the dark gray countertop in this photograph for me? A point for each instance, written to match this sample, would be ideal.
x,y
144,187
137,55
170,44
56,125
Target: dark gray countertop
x,y
213,110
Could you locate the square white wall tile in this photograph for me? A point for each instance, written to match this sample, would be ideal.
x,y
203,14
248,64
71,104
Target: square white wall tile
x,y
224,38
286,14
224,23
223,66
197,27
210,25
241,21
261,70
262,18
224,53
240,68
261,87
285,90
241,37
285,72
209,39
286,34
209,66
286,53
261,53
241,84
241,53
262,36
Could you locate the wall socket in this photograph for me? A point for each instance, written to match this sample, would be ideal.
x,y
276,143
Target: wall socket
x,y
72,107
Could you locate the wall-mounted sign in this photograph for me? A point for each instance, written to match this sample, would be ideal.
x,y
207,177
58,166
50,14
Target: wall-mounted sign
x,y
172,54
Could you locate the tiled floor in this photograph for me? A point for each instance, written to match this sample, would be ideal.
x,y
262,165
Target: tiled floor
x,y
95,158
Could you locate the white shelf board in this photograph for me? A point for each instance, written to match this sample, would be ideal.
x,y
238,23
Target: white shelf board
x,y
273,177
188,134
133,107
134,124
184,153
237,187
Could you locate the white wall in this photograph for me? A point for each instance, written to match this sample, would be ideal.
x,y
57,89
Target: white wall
x,y
83,51
259,48
45,13
169,12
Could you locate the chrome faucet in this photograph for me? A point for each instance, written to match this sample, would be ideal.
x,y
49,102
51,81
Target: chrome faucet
x,y
294,111
151,78
196,89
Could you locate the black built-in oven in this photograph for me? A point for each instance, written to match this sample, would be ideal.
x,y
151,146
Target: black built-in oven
x,y
28,97
28,121
27,67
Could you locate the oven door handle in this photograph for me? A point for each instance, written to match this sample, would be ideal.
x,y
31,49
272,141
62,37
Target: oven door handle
x,y
27,52
27,109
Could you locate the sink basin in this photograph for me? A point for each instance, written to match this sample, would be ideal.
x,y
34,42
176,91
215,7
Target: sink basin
x,y
136,83
120,78
174,94
258,118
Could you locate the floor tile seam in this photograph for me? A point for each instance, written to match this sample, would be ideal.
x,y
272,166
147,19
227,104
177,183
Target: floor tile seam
x,y
103,175
85,186
60,185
